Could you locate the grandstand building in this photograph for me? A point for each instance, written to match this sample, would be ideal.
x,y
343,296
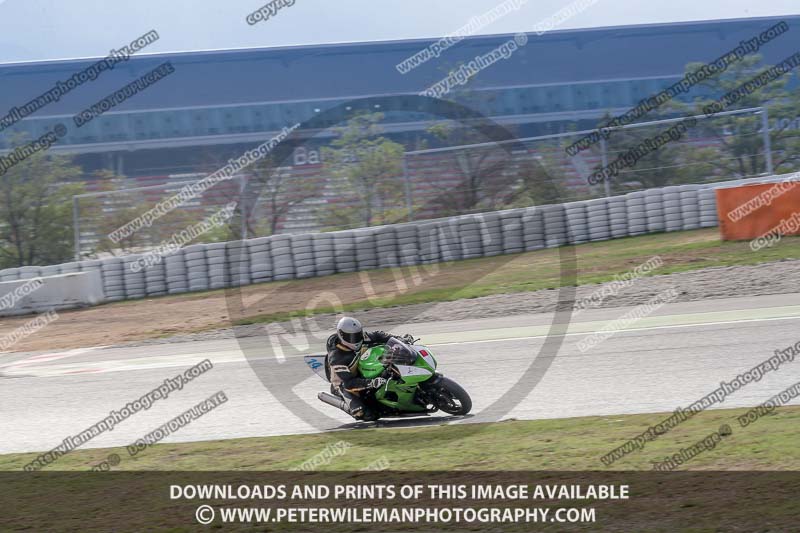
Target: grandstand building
x,y
216,104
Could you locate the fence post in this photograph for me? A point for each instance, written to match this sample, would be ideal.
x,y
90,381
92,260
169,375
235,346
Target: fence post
x,y
767,140
604,152
409,199
76,229
243,208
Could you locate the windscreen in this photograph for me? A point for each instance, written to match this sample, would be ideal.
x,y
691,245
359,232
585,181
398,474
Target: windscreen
x,y
399,353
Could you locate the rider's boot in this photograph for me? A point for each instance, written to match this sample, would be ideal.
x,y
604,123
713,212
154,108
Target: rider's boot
x,y
356,406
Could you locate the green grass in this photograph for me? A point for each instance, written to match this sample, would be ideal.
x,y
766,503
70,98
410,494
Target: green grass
x,y
564,451
169,315
771,443
596,263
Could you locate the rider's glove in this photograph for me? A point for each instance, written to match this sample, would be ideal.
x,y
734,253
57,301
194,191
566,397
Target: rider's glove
x,y
376,383
408,338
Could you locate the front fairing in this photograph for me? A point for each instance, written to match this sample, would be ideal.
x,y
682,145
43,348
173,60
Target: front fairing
x,y
425,358
414,364
370,363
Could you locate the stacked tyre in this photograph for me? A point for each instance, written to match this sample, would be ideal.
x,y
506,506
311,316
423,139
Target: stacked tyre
x,y
597,219
707,204
29,272
282,260
491,233
533,229
511,231
237,262
577,222
386,245
303,254
449,242
344,248
133,276
366,249
258,251
690,206
177,277
654,205
617,217
555,225
155,279
10,274
196,267
113,279
324,254
428,234
637,213
673,213
469,232
408,244
66,268
54,270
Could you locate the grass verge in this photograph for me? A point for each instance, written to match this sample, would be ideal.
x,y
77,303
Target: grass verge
x,y
277,301
597,263
573,444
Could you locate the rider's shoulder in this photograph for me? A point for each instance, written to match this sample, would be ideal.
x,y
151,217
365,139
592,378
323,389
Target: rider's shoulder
x,y
330,344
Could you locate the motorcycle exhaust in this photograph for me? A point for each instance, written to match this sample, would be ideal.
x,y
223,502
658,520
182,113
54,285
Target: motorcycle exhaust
x,y
330,399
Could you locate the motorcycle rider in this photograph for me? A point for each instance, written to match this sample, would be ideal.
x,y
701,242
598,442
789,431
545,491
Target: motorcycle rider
x,y
341,366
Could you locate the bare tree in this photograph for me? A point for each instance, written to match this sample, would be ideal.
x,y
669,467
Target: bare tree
x,y
366,167
278,193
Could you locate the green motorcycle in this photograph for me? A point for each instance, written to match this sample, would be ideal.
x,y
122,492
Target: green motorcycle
x,y
414,388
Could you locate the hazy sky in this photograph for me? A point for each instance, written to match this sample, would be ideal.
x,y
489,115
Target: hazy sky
x,y
54,29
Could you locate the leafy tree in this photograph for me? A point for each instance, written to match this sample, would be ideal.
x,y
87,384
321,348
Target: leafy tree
x,y
539,184
739,147
736,147
491,177
664,166
36,210
102,215
785,136
366,168
480,169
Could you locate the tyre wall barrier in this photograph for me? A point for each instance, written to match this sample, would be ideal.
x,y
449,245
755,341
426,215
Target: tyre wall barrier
x,y
200,267
688,196
408,245
491,230
260,259
533,235
673,215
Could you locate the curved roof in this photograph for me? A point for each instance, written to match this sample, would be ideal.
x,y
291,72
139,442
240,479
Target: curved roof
x,y
214,78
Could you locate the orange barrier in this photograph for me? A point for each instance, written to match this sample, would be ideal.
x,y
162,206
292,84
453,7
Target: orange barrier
x,y
751,211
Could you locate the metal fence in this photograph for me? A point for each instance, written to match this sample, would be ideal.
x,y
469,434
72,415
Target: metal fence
x,y
677,163
447,181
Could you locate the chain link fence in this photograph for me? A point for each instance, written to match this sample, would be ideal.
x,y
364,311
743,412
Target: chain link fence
x,y
473,177
483,177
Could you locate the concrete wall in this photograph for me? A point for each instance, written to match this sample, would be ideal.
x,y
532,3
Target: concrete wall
x,y
36,294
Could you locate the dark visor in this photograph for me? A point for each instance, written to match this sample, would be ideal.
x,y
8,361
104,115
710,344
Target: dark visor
x,y
352,338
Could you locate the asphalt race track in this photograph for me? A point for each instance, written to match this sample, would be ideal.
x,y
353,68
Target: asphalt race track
x,y
670,359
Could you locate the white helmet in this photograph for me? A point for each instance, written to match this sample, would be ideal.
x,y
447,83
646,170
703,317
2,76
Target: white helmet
x,y
350,333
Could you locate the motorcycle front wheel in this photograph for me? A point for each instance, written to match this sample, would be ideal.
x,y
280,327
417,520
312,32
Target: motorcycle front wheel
x,y
451,398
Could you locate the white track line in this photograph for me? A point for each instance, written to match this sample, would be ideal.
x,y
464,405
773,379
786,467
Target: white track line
x,y
27,368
